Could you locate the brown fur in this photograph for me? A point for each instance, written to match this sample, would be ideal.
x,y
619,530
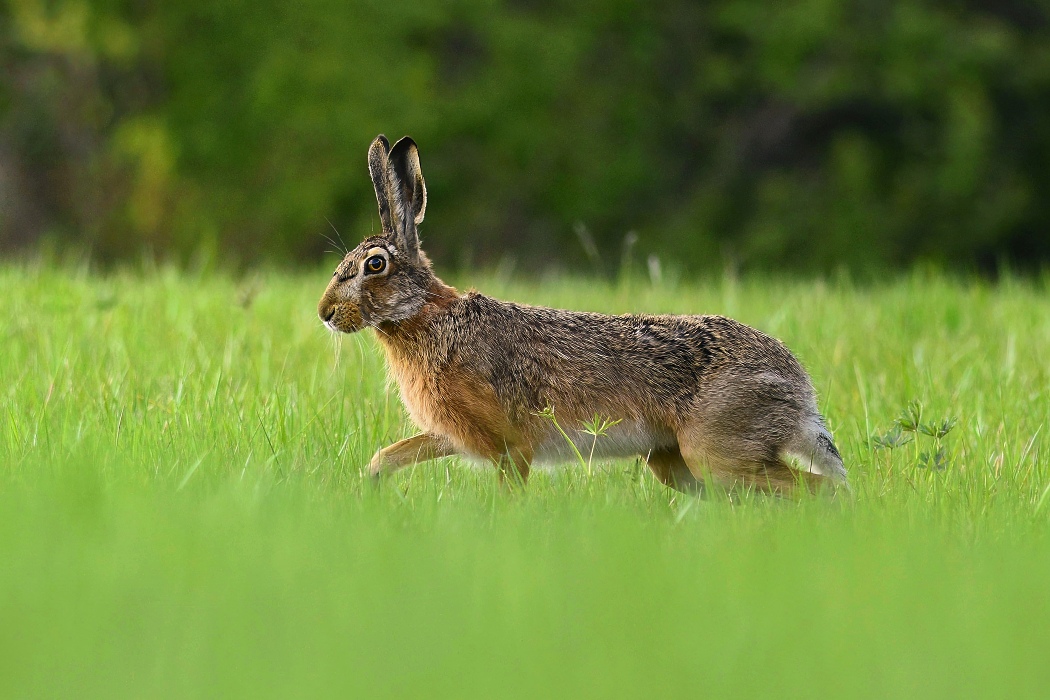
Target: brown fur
x,y
670,469
704,397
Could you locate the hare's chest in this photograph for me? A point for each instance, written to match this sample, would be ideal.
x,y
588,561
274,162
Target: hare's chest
x,y
456,404
418,391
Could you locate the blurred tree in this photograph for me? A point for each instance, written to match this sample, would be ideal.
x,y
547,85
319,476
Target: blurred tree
x,y
803,134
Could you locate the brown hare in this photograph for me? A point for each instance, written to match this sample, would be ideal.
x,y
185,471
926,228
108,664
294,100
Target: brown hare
x,y
701,398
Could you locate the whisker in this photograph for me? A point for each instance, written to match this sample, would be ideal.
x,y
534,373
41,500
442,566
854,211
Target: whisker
x,y
327,238
376,326
337,234
335,245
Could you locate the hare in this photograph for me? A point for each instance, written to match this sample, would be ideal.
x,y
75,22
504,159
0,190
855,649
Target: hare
x,y
703,399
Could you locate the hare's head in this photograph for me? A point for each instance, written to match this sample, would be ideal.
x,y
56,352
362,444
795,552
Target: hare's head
x,y
385,278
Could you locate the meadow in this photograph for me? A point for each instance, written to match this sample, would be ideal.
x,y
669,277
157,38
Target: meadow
x,y
183,509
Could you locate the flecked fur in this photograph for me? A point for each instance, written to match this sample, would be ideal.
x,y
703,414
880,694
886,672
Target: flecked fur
x,y
702,398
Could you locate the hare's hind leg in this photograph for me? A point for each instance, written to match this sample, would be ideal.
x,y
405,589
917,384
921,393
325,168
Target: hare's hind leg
x,y
734,463
670,469
774,477
418,448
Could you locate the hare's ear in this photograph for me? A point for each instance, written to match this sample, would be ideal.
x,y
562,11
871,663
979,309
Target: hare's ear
x,y
379,168
410,193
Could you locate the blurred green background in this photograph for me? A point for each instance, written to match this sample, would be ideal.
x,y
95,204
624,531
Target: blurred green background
x,y
800,135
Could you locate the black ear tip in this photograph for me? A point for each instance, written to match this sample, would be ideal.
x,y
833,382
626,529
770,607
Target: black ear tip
x,y
404,143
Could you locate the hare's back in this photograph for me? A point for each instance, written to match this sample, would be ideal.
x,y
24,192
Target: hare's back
x,y
542,351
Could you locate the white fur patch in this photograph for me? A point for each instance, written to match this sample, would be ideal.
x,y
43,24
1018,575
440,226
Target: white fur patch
x,y
626,439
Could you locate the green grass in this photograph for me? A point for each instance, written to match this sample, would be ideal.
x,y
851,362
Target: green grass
x,y
183,510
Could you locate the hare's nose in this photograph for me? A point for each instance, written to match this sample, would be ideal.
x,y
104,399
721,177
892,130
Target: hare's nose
x,y
326,313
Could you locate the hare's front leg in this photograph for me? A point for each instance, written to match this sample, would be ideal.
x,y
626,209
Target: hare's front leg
x,y
513,466
418,448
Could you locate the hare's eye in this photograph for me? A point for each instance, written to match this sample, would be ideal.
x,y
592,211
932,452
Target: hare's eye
x,y
376,263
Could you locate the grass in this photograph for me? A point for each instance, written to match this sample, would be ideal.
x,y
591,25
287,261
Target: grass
x,y
183,510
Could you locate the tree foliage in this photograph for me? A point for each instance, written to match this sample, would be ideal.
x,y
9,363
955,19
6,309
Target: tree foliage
x,y
801,134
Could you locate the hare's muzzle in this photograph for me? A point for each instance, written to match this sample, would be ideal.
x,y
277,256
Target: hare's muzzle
x,y
339,315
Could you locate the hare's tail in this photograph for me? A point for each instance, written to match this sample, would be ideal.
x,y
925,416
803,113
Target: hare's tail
x,y
815,449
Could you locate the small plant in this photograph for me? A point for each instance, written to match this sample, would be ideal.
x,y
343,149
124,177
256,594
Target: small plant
x,y
938,430
893,439
911,417
906,429
597,427
933,459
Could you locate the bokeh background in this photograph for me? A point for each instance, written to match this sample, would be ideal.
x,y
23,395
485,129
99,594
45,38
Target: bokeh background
x,y
803,135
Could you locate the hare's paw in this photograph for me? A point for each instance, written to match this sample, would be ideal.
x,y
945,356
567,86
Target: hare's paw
x,y
375,465
418,448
